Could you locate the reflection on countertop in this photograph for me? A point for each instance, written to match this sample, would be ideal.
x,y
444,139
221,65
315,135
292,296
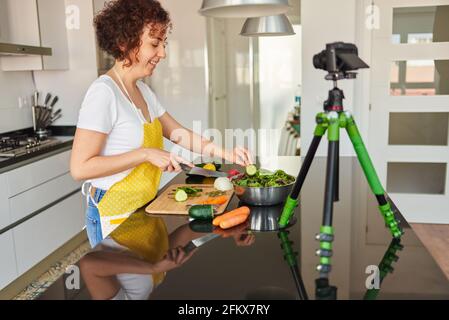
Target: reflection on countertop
x,y
248,263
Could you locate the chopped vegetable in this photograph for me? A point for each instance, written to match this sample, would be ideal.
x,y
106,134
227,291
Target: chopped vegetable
x,y
181,195
216,200
210,166
233,172
262,179
239,211
215,193
223,184
251,170
201,212
233,221
191,192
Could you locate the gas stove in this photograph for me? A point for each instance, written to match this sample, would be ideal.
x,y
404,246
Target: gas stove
x,y
17,144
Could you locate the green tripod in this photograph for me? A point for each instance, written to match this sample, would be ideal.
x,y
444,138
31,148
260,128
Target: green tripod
x,y
337,59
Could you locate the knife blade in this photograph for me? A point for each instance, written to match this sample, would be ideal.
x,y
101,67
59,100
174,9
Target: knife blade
x,y
196,243
202,172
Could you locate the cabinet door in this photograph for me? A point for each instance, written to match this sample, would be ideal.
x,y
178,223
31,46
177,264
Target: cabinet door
x,y
8,266
54,34
43,195
38,237
5,218
36,173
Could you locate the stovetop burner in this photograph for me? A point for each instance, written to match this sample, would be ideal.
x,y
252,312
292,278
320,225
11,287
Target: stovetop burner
x,y
14,145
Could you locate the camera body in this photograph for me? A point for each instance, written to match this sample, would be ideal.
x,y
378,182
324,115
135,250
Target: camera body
x,y
338,59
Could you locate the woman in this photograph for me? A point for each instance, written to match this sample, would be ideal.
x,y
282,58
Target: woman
x,y
118,144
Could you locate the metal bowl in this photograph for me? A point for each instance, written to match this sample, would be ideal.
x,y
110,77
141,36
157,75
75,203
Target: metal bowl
x,y
263,196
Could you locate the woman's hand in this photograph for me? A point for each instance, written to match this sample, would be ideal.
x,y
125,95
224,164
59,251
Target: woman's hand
x,y
164,160
238,155
174,258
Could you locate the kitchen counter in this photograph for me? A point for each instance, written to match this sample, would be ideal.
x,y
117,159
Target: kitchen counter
x,y
232,266
63,133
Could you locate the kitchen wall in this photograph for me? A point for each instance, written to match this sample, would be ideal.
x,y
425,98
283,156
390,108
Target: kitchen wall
x,y
322,22
70,85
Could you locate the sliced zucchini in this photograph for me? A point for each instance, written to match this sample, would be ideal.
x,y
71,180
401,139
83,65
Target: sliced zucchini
x,y
181,195
251,170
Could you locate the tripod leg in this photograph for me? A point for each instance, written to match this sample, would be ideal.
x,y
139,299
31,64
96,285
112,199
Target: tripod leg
x,y
373,179
337,173
292,201
326,235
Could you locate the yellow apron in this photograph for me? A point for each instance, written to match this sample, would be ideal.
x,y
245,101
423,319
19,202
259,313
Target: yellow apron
x,y
145,236
139,187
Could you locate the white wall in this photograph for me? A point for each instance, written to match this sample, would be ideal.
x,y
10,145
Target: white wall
x,y
180,80
71,85
279,76
238,74
336,23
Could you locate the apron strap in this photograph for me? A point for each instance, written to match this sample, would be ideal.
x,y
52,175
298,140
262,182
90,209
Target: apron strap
x,y
88,193
139,115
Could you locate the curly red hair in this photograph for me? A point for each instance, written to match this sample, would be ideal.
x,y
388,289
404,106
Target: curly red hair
x,y
120,24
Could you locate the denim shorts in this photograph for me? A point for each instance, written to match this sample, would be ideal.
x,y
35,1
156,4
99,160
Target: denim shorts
x,y
93,223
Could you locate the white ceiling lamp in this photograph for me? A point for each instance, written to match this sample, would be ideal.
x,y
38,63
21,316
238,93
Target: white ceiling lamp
x,y
273,26
243,8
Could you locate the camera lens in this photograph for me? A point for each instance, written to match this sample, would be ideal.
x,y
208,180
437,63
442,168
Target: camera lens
x,y
319,60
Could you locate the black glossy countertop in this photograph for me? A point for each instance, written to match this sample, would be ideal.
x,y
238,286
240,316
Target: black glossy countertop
x,y
234,266
63,133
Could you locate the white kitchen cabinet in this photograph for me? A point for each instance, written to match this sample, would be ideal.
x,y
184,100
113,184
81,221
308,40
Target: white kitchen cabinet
x,y
5,218
8,265
39,172
36,198
53,31
36,23
38,237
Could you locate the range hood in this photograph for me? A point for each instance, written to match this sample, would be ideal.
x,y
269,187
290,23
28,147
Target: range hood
x,y
10,49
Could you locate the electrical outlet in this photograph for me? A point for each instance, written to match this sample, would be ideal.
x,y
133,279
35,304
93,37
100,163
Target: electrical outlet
x,y
22,102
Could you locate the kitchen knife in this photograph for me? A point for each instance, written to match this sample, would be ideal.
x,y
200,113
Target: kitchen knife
x,y
202,172
196,243
50,116
55,100
47,100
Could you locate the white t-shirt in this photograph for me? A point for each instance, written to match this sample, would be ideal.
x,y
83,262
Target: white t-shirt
x,y
106,109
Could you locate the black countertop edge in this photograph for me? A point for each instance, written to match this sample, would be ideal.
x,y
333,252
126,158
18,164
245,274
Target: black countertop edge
x,y
62,130
54,131
14,163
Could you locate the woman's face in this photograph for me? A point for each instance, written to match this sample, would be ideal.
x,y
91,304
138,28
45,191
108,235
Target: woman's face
x,y
151,51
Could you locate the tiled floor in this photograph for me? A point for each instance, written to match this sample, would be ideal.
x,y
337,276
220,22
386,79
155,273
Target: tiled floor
x,y
40,285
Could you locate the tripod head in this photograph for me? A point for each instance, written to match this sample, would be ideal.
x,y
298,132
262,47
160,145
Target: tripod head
x,y
338,59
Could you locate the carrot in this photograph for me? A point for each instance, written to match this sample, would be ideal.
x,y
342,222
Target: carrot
x,y
216,200
230,214
233,221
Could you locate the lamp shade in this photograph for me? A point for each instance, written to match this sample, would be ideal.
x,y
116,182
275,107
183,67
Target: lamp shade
x,y
243,8
278,25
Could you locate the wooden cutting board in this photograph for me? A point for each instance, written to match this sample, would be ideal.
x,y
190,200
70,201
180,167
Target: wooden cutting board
x,y
166,203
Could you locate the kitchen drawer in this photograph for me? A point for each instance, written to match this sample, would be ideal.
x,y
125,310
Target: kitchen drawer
x,y
34,199
8,265
38,237
34,174
5,218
